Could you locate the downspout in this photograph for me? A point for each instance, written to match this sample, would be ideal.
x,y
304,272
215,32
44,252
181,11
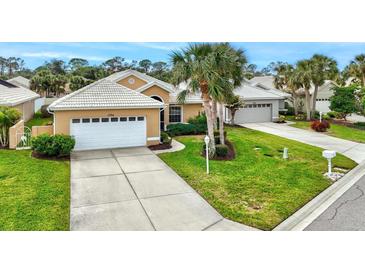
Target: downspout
x,y
54,121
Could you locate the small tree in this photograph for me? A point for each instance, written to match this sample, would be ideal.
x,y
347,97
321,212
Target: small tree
x,y
234,103
8,117
343,100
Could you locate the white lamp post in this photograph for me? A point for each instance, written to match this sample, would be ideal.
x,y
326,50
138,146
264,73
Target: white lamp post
x,y
320,116
206,140
329,154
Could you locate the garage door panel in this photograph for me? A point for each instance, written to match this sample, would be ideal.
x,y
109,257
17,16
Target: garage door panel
x,y
109,134
254,114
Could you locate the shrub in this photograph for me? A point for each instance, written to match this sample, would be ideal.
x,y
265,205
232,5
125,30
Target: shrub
x,y
8,117
359,125
44,112
332,114
185,129
320,126
200,122
300,117
221,150
57,145
165,138
325,117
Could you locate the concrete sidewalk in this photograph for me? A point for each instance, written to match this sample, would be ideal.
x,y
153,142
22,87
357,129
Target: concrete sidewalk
x,y
353,150
133,189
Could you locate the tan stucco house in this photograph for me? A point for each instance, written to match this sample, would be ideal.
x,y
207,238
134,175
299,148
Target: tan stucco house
x,y
18,97
125,109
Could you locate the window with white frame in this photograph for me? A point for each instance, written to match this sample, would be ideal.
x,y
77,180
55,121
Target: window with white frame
x,y
175,114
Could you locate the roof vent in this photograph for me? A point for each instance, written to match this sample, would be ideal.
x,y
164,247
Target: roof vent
x,y
7,84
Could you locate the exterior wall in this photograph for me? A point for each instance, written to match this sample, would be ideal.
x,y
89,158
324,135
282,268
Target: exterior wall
x,y
137,82
27,110
191,110
164,95
62,119
17,128
38,130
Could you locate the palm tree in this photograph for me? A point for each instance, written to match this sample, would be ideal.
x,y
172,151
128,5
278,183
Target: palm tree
x,y
303,78
357,68
322,68
284,79
210,69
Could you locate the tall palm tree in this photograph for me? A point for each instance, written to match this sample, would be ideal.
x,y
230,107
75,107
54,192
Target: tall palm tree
x,y
357,68
284,79
322,68
210,69
303,78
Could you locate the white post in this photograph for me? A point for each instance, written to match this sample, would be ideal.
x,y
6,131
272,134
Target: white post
x,y
206,140
320,116
285,153
329,167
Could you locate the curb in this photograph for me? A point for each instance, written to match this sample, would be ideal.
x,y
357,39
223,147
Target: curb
x,y
308,213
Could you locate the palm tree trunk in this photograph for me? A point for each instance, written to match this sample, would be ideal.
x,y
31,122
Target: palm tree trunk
x,y
214,114
208,112
314,101
308,104
295,104
221,124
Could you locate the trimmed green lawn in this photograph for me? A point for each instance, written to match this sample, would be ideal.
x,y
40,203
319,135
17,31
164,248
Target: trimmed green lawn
x,y
34,194
258,188
37,120
339,131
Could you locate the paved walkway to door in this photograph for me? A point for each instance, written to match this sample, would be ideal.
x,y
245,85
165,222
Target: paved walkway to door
x,y
353,150
132,189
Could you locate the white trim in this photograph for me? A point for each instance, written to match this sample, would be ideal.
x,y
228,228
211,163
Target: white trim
x,y
156,138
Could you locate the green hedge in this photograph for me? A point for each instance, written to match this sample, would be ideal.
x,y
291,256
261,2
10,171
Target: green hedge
x,y
184,129
57,145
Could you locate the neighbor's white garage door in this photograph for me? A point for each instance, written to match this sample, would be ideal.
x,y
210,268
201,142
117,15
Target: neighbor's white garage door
x,y
97,133
254,113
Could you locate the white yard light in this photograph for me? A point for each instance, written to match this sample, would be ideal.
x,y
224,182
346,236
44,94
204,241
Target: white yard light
x,y
320,116
206,140
285,153
329,154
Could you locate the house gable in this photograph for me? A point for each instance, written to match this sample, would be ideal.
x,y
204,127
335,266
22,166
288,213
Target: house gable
x,y
155,90
132,82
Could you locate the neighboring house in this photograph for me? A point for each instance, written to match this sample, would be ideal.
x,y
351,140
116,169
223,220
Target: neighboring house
x,y
267,81
262,104
21,81
18,97
324,92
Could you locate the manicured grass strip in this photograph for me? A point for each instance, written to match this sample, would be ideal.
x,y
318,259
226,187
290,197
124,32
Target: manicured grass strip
x,y
34,194
339,131
38,120
258,188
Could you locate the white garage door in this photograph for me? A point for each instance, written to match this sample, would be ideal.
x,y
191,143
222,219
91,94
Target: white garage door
x,y
254,113
108,132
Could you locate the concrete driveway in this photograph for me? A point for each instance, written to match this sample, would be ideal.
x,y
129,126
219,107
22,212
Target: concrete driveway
x,y
353,150
132,189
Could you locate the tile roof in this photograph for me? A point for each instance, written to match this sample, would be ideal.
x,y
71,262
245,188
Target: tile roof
x,y
12,96
104,94
252,92
20,81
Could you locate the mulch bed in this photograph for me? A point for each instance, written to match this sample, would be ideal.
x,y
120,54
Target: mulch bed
x,y
230,155
346,123
52,158
160,147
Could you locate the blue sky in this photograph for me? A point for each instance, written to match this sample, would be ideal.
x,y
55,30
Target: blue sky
x,y
258,53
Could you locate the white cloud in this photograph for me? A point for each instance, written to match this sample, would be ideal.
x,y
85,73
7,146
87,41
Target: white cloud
x,y
51,54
